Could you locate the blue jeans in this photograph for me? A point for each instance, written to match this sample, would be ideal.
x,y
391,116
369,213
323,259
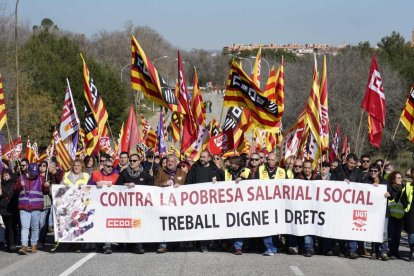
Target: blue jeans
x,y
411,239
268,243
308,243
30,221
381,248
43,225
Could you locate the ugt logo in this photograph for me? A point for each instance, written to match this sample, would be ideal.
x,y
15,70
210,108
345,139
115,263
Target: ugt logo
x,y
360,219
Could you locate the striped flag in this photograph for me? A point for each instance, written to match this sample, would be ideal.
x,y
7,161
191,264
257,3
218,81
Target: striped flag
x,y
407,116
3,115
175,126
91,138
270,88
29,154
241,91
151,140
62,155
145,78
235,124
292,139
94,101
257,67
197,105
324,108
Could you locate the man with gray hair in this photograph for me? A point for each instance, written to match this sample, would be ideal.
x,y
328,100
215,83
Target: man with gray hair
x,y
166,177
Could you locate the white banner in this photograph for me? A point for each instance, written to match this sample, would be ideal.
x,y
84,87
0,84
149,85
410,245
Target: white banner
x,y
223,210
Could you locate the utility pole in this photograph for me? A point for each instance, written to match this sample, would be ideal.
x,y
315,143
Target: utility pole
x,y
17,70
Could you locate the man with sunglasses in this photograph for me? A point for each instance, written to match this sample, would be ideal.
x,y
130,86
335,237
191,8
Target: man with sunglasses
x,y
365,164
257,171
134,174
105,177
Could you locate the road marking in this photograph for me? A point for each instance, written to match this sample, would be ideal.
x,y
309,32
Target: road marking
x,y
78,264
296,270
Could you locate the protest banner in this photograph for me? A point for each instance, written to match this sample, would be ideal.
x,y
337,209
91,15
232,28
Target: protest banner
x,y
225,210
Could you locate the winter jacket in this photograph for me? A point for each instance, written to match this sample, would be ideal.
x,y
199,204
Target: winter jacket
x,y
201,174
164,174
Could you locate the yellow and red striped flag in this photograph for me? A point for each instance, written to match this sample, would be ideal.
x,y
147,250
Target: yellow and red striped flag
x,y
29,154
407,116
257,67
242,92
197,105
151,139
145,78
95,103
324,108
175,126
270,88
313,107
3,115
62,153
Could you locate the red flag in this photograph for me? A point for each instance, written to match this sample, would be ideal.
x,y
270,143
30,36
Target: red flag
x,y
13,150
130,135
189,127
374,105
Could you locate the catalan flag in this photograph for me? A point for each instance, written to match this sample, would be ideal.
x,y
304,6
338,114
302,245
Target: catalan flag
x,y
145,78
242,92
407,116
324,108
197,105
62,154
175,126
29,154
94,101
3,115
270,88
91,138
151,140
257,67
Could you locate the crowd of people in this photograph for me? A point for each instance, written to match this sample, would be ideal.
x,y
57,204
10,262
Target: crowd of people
x,y
25,197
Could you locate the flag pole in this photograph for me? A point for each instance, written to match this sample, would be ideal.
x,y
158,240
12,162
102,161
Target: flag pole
x,y
359,130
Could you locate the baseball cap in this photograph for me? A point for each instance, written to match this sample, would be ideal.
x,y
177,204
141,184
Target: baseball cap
x,y
33,169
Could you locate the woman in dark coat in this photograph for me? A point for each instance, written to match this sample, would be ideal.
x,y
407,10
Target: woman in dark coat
x,y
9,208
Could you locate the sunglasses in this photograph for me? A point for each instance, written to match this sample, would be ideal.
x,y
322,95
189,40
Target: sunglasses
x,y
216,158
298,166
43,165
254,159
108,166
365,161
23,165
133,160
373,171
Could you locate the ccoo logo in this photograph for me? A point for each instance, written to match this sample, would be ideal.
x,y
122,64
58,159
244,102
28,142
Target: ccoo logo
x,y
123,223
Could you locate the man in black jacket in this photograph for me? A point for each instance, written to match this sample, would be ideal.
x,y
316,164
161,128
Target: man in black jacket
x,y
204,170
348,172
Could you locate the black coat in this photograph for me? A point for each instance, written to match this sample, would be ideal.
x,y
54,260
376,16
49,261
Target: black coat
x,y
383,182
9,198
142,179
342,172
201,174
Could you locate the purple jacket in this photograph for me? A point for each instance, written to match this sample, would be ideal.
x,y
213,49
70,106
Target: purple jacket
x,y
31,195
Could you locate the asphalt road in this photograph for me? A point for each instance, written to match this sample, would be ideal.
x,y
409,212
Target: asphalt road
x,y
194,263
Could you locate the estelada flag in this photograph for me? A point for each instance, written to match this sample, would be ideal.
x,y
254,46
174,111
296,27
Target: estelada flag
x,y
243,92
374,105
407,116
145,78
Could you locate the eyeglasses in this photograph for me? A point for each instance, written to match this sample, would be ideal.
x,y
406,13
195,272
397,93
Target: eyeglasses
x,y
23,165
108,166
365,161
254,159
373,171
298,166
133,160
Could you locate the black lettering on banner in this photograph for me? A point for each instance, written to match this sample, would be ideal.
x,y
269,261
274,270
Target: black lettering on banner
x,y
258,100
163,219
321,218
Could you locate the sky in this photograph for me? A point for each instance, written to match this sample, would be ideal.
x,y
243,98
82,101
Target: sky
x,y
213,24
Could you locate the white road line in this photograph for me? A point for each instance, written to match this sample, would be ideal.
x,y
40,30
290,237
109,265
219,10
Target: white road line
x,y
78,264
296,270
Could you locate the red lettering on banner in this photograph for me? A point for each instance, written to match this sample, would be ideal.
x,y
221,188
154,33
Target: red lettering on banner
x,y
125,199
